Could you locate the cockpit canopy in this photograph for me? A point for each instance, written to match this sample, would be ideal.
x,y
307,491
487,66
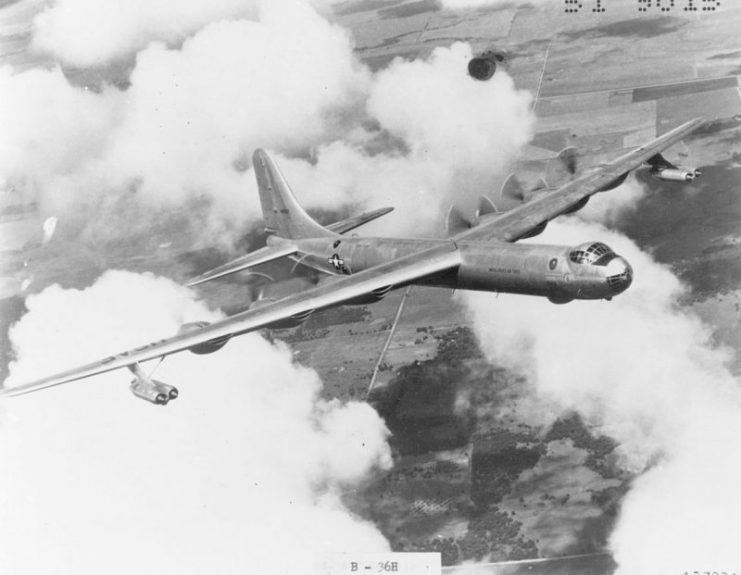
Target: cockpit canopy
x,y
594,253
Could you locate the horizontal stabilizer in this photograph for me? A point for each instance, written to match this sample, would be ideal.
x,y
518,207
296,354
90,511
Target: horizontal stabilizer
x,y
261,256
344,226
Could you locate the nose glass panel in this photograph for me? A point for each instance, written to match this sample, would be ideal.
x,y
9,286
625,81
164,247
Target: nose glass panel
x,y
619,275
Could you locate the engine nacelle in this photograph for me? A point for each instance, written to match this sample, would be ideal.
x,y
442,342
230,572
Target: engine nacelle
x,y
536,231
207,346
153,391
675,174
559,298
483,66
371,297
614,183
577,206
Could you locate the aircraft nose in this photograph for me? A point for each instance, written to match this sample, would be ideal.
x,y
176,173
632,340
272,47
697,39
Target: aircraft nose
x,y
619,275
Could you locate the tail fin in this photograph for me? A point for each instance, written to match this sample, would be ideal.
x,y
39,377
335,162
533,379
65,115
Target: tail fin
x,y
283,215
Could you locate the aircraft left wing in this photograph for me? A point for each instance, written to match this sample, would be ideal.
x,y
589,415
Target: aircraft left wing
x,y
512,225
394,273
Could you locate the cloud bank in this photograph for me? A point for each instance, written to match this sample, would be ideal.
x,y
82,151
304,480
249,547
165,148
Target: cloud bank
x,y
242,473
270,74
246,469
649,373
92,33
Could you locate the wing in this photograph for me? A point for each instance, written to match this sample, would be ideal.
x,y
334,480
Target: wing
x,y
512,225
395,273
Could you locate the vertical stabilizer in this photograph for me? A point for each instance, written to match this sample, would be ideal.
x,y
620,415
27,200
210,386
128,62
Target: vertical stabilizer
x,y
283,215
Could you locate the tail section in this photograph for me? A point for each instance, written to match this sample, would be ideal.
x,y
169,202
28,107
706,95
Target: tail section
x,y
283,215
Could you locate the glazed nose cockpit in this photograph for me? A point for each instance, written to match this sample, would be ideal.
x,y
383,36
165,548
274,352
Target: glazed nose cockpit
x,y
619,275
614,269
595,253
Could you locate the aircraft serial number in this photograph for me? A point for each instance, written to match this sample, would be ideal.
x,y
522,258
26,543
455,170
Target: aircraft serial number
x,y
576,6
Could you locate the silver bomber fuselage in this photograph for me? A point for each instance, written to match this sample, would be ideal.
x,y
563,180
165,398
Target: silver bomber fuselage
x,y
532,269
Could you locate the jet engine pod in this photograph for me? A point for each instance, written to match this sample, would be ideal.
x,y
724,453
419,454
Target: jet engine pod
x,y
153,391
483,66
675,174
209,346
663,169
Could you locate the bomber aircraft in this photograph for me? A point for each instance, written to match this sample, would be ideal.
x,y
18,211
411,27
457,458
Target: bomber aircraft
x,y
478,255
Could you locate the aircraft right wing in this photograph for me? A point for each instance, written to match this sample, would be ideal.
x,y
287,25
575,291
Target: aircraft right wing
x,y
395,273
514,224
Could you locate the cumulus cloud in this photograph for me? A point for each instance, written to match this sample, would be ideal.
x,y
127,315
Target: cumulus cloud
x,y
609,207
50,127
648,372
93,32
184,129
447,117
449,137
242,473
194,113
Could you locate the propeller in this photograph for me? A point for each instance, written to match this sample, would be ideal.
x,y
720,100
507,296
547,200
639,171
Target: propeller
x,y
569,159
257,284
457,222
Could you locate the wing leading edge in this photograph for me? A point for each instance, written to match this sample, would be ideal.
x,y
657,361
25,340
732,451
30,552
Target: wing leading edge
x,y
512,225
395,273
